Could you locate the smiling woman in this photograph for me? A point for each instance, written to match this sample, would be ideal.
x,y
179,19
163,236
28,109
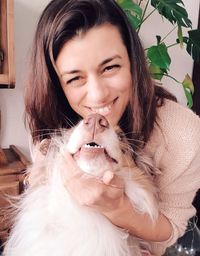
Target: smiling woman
x,y
87,59
96,81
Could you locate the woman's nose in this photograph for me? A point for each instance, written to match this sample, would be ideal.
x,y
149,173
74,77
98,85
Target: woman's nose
x,y
96,123
97,90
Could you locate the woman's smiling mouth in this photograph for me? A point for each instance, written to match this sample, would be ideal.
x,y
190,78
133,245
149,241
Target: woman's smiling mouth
x,y
103,110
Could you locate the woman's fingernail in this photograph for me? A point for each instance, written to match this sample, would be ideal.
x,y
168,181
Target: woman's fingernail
x,y
107,177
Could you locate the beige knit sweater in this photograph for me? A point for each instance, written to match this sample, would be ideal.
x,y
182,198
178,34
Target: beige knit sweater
x,y
175,148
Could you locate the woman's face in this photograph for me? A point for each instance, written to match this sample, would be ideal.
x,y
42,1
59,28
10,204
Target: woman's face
x,y
95,75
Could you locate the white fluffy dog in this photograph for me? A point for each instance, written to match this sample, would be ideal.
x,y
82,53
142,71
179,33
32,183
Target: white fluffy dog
x,y
50,222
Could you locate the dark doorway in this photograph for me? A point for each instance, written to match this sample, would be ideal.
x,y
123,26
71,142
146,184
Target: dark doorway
x,y
196,108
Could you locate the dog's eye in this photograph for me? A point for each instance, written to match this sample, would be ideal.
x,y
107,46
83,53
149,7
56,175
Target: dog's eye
x,y
123,151
123,142
121,136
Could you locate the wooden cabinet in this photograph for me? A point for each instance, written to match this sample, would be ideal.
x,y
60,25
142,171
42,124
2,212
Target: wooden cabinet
x,y
12,169
7,73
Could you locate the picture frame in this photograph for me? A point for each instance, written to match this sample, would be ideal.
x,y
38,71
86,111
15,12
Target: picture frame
x,y
7,70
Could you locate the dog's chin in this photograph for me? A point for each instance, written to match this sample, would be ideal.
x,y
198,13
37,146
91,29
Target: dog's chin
x,y
94,161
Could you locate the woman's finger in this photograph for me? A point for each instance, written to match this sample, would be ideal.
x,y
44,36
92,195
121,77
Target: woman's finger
x,y
72,167
109,178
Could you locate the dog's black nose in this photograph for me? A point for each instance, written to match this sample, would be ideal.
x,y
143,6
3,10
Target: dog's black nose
x,y
96,123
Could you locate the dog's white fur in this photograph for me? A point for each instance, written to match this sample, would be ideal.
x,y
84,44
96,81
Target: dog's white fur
x,y
50,222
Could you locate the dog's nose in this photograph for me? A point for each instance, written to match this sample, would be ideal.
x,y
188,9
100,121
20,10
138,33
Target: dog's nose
x,y
96,123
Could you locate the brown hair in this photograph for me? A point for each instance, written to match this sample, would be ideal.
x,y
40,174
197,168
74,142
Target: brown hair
x,y
46,105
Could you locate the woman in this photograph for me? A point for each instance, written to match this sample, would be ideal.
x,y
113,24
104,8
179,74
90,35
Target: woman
x,y
86,58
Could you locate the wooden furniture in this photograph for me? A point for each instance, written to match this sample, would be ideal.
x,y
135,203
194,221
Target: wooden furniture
x,y
11,184
7,72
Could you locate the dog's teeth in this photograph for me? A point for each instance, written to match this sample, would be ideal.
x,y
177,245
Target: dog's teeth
x,y
86,146
92,146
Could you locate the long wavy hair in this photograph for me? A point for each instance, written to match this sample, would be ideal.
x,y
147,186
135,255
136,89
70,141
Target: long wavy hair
x,y
47,108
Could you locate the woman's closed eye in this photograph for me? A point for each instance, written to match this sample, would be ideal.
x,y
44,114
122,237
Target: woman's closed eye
x,y
75,79
111,68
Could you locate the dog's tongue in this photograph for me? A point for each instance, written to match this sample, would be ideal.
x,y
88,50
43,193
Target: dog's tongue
x,y
91,151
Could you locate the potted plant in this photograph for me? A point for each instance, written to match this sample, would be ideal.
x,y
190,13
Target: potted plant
x,y
158,56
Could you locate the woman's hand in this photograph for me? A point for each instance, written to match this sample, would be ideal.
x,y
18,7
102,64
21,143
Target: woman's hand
x,y
107,196
103,194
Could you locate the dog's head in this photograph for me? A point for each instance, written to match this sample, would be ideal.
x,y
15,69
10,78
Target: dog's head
x,y
96,146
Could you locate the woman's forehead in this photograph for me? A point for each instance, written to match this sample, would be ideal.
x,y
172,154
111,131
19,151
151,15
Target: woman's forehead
x,y
96,45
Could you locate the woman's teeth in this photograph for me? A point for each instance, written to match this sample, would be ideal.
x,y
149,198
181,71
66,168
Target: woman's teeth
x,y
103,111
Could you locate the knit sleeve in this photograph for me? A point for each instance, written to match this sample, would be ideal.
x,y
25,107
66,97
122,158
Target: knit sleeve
x,y
176,202
179,163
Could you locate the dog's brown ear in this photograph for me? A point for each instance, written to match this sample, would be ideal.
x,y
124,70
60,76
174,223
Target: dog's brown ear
x,y
36,174
44,146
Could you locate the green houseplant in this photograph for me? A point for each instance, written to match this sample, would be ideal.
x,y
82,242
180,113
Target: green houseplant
x,y
158,56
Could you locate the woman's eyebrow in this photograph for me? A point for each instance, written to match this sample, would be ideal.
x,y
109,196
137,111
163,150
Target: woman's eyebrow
x,y
74,71
110,59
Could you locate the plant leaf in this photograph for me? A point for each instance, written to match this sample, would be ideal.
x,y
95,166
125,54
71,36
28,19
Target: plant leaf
x,y
188,95
159,56
156,72
193,44
172,11
188,89
180,36
158,39
187,83
131,6
132,10
135,22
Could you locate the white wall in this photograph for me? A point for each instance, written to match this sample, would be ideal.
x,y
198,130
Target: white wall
x,y
26,15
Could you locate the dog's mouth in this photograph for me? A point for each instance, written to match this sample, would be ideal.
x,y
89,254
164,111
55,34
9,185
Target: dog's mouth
x,y
93,150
